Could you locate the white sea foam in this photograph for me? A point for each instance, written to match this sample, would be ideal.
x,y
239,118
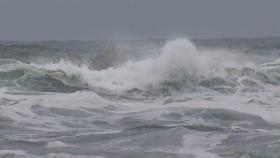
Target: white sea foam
x,y
199,144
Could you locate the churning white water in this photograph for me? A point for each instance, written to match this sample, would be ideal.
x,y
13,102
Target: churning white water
x,y
186,101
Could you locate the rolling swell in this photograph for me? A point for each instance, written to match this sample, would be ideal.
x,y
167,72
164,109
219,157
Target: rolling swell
x,y
36,79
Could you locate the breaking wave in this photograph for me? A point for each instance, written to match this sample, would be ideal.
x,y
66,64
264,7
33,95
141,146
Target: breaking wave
x,y
180,65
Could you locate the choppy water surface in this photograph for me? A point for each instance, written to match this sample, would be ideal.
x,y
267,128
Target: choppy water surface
x,y
141,99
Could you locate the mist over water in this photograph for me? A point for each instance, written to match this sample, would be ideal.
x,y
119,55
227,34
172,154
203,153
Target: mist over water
x,y
149,98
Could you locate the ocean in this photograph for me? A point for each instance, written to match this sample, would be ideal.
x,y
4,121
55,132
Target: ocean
x,y
180,98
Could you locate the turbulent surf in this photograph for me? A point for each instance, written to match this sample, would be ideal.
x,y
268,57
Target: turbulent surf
x,y
146,98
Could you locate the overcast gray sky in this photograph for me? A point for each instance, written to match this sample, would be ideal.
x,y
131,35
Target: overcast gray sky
x,y
128,19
